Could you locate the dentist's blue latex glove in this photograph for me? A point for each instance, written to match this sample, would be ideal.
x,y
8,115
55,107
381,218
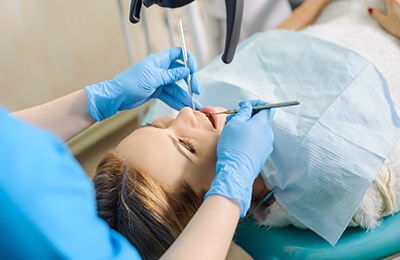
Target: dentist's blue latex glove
x,y
243,148
153,77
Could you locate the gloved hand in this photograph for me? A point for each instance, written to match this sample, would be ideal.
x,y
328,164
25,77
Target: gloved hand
x,y
243,148
153,77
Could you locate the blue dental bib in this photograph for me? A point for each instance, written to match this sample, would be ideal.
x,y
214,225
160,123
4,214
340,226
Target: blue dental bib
x,y
327,150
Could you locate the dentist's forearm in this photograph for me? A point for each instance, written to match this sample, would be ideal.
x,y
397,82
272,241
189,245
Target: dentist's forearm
x,y
209,233
66,116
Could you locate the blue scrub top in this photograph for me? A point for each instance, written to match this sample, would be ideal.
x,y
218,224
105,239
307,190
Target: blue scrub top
x,y
48,205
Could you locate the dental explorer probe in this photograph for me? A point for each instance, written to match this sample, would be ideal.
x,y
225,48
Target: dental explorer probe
x,y
185,60
258,108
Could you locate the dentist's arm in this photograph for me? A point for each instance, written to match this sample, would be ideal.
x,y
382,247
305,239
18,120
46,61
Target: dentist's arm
x,y
154,77
209,233
66,116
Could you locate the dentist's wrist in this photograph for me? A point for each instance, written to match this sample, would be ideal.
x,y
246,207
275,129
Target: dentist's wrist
x,y
104,99
231,183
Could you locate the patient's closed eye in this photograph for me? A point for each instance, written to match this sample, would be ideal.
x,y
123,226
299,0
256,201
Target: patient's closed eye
x,y
188,145
156,125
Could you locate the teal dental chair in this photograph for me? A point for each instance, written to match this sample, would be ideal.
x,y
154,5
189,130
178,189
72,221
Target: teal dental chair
x,y
293,243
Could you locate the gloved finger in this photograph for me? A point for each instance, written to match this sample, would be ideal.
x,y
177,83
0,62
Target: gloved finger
x,y
196,86
229,117
173,75
259,102
176,97
176,54
252,102
265,116
192,64
255,102
244,113
165,58
176,64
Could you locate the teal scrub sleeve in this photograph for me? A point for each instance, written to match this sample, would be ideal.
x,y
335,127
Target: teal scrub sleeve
x,y
48,200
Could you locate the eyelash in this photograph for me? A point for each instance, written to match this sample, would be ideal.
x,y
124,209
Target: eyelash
x,y
188,145
154,125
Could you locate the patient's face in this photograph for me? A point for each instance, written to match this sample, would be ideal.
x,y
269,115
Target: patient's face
x,y
177,147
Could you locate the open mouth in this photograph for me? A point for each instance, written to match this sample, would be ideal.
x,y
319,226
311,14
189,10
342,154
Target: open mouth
x,y
210,117
208,112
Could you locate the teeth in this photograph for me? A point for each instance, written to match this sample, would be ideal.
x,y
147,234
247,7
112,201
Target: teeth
x,y
208,115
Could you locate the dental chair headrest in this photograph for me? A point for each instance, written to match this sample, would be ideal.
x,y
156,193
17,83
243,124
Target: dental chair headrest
x,y
234,13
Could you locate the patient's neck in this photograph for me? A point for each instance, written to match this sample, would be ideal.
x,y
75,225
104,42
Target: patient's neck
x,y
260,190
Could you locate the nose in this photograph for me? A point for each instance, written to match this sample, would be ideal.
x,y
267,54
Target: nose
x,y
186,117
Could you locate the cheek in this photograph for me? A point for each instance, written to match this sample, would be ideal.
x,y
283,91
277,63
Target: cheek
x,y
165,121
208,145
209,157
204,171
204,177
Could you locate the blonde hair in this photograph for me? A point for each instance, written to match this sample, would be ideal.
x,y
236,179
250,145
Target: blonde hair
x,y
150,215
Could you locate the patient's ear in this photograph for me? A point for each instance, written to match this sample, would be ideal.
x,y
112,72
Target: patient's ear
x,y
235,252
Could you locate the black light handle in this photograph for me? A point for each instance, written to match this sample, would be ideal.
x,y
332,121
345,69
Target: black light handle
x,y
234,14
134,13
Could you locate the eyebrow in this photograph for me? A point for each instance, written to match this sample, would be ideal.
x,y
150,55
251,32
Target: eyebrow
x,y
173,140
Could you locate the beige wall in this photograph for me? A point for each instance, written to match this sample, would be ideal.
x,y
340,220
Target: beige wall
x,y
49,48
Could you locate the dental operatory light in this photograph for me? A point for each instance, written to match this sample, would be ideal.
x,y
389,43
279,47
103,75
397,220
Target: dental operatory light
x,y
234,13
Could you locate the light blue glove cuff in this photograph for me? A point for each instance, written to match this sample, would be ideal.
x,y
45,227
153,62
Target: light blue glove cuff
x,y
231,183
104,100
